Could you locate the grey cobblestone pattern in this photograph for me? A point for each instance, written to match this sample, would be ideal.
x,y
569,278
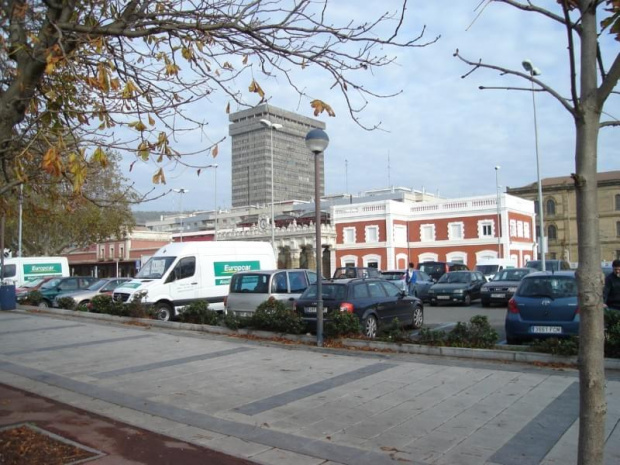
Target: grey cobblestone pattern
x,y
408,411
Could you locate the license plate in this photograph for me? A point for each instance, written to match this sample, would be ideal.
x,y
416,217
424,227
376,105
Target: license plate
x,y
310,309
498,296
547,329
443,297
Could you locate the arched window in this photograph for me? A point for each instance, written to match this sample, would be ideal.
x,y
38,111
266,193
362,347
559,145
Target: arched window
x,y
550,207
552,232
617,202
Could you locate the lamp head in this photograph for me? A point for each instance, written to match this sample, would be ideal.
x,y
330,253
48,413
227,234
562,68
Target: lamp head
x,y
180,191
270,125
317,140
530,68
497,168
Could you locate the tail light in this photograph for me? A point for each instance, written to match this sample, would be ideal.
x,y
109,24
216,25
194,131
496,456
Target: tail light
x,y
577,311
512,306
346,307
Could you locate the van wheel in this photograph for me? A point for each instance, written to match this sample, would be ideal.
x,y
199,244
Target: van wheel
x,y
163,312
370,327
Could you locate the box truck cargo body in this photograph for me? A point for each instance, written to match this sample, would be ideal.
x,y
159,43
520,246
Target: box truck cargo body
x,y
184,272
20,270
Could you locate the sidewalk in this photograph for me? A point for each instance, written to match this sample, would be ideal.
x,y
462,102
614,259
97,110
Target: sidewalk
x,y
291,404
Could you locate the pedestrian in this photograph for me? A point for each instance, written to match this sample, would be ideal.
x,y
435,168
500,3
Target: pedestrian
x,y
410,279
611,291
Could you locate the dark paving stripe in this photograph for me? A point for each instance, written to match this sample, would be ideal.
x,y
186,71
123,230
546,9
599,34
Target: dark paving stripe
x,y
13,318
40,329
291,396
532,444
76,344
167,363
285,441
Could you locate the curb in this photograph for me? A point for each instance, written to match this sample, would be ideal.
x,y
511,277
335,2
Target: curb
x,y
504,355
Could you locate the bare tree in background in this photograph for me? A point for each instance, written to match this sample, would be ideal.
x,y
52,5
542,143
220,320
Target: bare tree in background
x,y
591,83
81,70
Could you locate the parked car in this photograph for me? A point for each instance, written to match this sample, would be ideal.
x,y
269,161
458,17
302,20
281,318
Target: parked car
x,y
22,292
437,269
422,284
545,305
375,301
550,265
55,286
102,286
356,272
249,289
503,286
457,287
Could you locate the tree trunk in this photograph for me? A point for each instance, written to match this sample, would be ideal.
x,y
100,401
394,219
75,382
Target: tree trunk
x,y
592,404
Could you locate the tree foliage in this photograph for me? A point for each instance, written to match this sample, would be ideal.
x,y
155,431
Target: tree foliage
x,y
592,82
55,217
117,74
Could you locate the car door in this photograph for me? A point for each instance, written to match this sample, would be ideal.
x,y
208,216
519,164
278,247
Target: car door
x,y
401,308
183,281
478,281
386,306
423,284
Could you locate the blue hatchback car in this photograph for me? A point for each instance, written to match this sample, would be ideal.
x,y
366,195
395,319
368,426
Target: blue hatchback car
x,y
545,305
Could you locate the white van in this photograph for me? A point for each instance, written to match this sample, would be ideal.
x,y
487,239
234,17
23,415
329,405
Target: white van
x,y
20,270
183,272
491,266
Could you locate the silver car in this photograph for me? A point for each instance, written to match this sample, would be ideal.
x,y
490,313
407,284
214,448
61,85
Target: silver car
x,y
101,286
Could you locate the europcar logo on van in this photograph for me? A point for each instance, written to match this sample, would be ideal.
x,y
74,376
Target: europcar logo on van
x,y
224,270
46,268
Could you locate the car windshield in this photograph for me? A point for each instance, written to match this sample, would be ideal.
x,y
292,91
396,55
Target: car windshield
x,y
511,275
97,285
392,275
33,283
155,267
330,291
432,268
452,278
553,287
51,283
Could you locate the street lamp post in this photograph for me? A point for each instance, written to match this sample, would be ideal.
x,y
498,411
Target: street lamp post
x,y
272,127
499,217
317,141
215,210
181,191
533,71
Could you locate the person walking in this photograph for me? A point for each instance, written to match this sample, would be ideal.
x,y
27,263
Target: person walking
x,y
611,291
411,279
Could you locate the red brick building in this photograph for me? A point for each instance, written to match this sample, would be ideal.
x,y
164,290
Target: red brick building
x,y
389,234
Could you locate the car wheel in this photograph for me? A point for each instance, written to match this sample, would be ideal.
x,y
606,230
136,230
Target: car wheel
x,y
44,304
418,318
370,327
467,300
163,312
486,303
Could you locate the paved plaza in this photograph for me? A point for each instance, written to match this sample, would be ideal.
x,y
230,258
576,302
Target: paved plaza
x,y
296,404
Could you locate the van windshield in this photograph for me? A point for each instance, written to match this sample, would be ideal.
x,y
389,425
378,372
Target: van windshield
x,y
487,269
155,267
8,271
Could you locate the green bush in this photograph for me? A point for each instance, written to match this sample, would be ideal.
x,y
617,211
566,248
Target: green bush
x,y
272,315
137,309
68,303
233,321
33,298
199,313
612,333
341,324
104,303
394,332
478,334
557,346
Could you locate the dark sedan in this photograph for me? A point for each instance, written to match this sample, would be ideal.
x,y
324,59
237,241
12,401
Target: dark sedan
x,y
545,305
376,302
503,285
457,287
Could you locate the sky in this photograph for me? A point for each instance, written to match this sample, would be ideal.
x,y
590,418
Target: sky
x,y
441,134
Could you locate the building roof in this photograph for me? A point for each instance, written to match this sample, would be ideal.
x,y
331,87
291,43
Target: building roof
x,y
568,180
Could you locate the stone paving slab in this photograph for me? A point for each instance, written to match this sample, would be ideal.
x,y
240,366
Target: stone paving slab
x,y
278,404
